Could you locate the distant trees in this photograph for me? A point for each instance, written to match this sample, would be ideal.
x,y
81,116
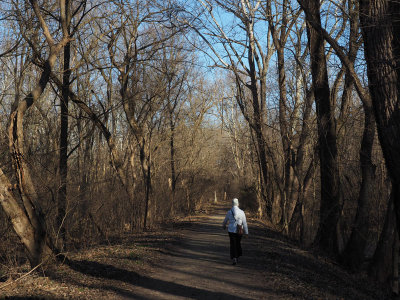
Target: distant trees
x,y
285,171
248,61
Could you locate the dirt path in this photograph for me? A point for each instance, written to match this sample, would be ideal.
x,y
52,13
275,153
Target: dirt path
x,y
271,268
197,266
200,268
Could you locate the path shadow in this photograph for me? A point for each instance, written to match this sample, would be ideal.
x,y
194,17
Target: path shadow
x,y
110,272
28,298
277,255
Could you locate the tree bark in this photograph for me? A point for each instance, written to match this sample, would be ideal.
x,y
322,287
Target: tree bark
x,y
25,184
63,159
279,39
381,267
173,179
36,247
380,24
27,222
353,254
330,206
354,251
145,160
258,117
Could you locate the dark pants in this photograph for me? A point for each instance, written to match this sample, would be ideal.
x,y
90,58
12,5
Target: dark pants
x,y
236,248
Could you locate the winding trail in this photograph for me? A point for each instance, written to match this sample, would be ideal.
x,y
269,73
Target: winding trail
x,y
271,268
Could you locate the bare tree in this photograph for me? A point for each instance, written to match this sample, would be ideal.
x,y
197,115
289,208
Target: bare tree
x,y
380,30
248,60
330,206
27,222
379,21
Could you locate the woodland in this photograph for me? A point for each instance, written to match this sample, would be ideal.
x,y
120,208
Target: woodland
x,y
118,116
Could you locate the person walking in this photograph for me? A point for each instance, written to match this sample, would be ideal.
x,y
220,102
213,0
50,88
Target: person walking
x,y
237,225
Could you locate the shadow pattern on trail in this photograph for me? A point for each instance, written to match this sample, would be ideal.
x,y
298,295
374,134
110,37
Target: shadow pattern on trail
x,y
110,272
286,272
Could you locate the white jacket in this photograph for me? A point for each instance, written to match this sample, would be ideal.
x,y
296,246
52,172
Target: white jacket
x,y
239,220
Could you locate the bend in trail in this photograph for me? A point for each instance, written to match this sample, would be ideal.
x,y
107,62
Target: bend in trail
x,y
271,268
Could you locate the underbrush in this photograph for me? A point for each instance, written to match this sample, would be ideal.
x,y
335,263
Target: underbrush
x,y
122,257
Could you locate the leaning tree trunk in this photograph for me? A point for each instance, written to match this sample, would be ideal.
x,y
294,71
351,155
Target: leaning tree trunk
x,y
330,207
27,221
36,248
353,254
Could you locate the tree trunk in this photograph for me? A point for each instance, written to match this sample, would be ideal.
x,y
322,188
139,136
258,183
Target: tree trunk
x,y
172,181
172,152
35,245
258,129
145,160
285,198
279,39
353,254
296,221
395,274
63,161
380,24
35,240
329,207
381,267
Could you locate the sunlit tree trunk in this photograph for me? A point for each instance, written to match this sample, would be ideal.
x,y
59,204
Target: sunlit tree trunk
x,y
27,221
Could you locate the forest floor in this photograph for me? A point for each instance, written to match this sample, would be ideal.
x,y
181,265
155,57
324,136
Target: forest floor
x,y
190,260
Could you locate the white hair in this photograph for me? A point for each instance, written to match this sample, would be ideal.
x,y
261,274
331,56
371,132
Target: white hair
x,y
235,202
